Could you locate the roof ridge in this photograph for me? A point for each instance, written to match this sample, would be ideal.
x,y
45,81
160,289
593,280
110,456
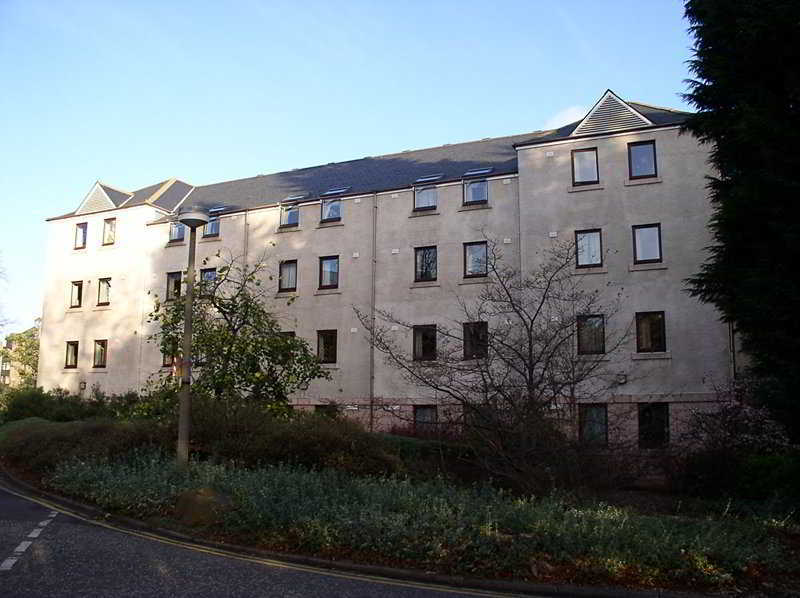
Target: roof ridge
x,y
99,182
658,107
166,185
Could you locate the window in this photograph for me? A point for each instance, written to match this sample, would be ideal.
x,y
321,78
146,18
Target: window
x,y
329,272
588,248
425,418
76,293
71,360
584,167
109,231
425,198
80,235
424,264
211,228
331,210
653,425
475,259
174,280
287,280
100,354
591,335
651,335
290,216
104,291
642,160
476,340
326,346
593,425
176,231
425,342
476,192
646,243
208,276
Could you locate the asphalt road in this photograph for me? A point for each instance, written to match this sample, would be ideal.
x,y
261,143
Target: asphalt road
x,y
51,554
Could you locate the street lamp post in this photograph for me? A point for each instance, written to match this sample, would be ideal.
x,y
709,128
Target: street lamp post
x,y
193,218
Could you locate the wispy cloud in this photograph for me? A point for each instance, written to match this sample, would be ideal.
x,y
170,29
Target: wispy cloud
x,y
565,116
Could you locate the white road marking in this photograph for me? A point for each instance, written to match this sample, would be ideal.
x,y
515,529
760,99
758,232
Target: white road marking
x,y
44,523
7,564
35,532
23,546
53,514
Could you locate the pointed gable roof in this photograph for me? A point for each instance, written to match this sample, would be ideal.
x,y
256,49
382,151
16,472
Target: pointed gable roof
x,y
116,196
609,114
95,201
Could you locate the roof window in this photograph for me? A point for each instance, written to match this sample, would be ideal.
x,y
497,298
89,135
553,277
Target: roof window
x,y
429,178
478,171
336,190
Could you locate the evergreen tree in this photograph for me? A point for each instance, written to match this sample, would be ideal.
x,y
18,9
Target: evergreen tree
x,y
747,95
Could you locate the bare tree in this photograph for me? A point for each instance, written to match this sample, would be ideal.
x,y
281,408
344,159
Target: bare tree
x,y
510,370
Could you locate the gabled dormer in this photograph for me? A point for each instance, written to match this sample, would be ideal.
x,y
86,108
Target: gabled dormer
x,y
609,114
102,197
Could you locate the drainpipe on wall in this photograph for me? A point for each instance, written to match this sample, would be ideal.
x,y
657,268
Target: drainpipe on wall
x,y
372,313
732,341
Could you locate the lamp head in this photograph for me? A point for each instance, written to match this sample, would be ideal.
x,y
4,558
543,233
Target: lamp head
x,y
194,217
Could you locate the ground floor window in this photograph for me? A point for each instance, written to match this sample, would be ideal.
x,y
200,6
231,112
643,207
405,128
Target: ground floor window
x,y
653,425
593,424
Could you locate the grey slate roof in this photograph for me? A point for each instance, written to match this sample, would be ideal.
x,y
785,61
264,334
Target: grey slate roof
x,y
117,197
367,175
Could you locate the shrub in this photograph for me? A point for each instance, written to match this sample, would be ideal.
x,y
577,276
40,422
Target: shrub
x,y
246,433
434,524
40,447
55,405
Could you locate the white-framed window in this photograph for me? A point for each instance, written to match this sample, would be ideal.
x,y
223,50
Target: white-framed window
x,y
211,228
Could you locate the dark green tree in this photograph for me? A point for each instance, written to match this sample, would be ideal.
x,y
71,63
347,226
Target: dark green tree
x,y
747,94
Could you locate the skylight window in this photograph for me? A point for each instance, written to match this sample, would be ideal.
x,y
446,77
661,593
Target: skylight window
x,y
478,171
336,190
429,178
292,198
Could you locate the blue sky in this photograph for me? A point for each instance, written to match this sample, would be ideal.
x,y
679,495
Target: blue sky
x,y
132,93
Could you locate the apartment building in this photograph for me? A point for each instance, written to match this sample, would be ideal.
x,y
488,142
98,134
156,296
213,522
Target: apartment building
x,y
408,233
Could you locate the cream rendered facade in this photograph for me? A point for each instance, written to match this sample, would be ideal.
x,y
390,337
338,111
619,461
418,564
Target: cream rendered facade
x,y
532,202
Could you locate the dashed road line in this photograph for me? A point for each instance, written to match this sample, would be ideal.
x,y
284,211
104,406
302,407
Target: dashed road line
x,y
7,564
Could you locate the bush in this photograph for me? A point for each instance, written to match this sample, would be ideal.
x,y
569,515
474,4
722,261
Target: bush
x,y
247,434
55,405
436,525
39,447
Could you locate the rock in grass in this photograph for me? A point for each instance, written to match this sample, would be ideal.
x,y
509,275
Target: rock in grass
x,y
203,506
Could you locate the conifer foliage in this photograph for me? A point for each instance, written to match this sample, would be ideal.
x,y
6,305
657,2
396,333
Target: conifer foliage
x,y
747,94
